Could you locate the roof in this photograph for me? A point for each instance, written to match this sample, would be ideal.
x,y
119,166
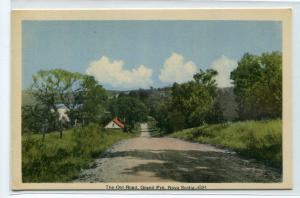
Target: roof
x,y
119,122
63,106
60,106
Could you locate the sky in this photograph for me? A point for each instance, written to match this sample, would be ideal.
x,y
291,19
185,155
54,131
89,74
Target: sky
x,y
124,55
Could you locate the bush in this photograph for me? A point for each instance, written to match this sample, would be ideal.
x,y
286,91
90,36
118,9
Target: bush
x,y
60,160
261,140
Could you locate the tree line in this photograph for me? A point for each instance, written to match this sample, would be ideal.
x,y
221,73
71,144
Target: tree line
x,y
257,86
191,104
83,98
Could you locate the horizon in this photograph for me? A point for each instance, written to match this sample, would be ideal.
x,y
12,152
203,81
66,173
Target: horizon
x,y
145,89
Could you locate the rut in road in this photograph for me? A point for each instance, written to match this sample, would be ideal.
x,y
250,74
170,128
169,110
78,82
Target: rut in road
x,y
165,159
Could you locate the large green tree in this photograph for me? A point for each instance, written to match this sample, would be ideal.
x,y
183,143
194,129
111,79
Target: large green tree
x,y
195,98
83,97
91,100
192,100
191,104
258,86
49,88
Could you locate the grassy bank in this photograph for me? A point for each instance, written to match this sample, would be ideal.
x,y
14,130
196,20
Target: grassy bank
x,y
60,160
261,140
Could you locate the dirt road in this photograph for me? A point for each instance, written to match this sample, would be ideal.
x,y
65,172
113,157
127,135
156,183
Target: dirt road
x,y
148,159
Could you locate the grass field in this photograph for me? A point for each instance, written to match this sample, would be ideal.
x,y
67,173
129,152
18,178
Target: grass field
x,y
60,160
261,140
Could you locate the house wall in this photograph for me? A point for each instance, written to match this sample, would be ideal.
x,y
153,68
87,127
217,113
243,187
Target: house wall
x,y
62,113
63,116
112,125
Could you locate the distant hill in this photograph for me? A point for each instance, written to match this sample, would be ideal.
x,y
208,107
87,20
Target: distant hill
x,y
152,93
27,98
226,99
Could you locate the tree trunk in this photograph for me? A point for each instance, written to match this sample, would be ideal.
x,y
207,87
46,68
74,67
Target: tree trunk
x,y
44,133
60,134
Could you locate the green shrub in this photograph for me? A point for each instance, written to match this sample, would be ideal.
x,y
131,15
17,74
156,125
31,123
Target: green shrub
x,y
261,140
60,160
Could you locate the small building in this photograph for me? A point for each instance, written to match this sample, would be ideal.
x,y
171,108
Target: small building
x,y
116,123
62,112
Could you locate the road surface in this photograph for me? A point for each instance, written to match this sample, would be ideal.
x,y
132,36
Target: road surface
x,y
165,159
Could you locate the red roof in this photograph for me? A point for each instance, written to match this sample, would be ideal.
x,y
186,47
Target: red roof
x,y
118,122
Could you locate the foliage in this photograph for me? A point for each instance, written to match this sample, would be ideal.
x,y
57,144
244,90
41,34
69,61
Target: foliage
x,y
37,118
83,97
53,86
258,86
141,94
60,160
191,104
160,114
215,114
192,100
93,99
129,109
227,101
257,139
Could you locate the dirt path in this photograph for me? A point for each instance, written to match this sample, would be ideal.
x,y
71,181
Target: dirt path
x,y
147,159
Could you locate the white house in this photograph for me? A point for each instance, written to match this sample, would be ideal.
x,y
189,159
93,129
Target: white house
x,y
63,113
116,123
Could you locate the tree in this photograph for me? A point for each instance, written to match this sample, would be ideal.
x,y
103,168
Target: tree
x,y
92,100
244,76
51,87
175,120
129,109
192,100
195,98
160,112
215,114
190,104
36,118
207,79
79,93
258,86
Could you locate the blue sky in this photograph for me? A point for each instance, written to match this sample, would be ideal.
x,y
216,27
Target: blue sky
x,y
139,54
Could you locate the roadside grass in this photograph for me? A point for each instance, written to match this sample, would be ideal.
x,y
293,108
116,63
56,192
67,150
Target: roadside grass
x,y
61,160
261,140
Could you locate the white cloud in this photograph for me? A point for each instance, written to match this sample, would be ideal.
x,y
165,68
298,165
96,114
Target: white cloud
x,y
175,69
224,66
112,72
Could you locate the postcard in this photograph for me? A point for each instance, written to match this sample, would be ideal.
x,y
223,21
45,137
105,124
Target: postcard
x,y
151,99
